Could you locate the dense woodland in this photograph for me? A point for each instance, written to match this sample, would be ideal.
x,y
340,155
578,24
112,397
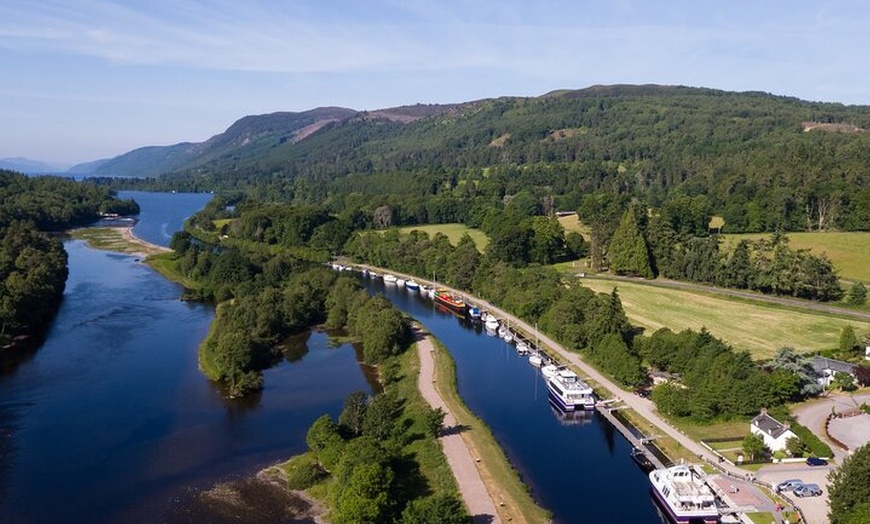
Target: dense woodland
x,y
33,268
264,297
763,162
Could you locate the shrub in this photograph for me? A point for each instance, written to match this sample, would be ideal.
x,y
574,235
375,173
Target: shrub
x,y
814,445
303,472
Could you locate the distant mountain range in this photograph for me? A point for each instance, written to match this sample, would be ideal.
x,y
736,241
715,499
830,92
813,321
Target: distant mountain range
x,y
246,138
30,167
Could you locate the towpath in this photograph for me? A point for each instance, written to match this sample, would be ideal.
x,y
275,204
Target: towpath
x,y
644,407
471,486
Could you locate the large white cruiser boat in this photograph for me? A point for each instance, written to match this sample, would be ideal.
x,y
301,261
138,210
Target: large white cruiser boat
x,y
569,392
685,494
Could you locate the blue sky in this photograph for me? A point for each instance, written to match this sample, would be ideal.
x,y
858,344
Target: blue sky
x,y
88,79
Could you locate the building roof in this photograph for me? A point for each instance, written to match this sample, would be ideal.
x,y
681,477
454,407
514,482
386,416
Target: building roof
x,y
769,425
822,364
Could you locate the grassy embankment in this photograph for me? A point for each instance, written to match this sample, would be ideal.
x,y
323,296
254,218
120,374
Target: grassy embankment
x,y
453,232
510,494
761,328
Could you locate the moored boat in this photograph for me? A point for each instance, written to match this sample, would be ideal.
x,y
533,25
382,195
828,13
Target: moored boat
x,y
523,348
442,296
413,286
390,279
684,493
491,323
400,282
550,370
536,359
474,313
569,391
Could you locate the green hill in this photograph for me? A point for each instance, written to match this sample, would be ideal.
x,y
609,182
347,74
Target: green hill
x,y
762,161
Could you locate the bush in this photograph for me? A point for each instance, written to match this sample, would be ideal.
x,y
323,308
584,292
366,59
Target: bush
x,y
814,445
303,472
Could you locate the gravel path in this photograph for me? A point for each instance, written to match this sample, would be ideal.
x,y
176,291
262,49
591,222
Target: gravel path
x,y
471,486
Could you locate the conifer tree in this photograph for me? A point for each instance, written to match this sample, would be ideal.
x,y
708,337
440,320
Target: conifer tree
x,y
628,250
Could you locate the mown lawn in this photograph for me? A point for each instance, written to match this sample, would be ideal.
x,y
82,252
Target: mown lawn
x,y
848,251
757,327
453,232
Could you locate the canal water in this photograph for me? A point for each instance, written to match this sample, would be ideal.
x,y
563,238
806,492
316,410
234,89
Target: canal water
x,y
577,465
111,420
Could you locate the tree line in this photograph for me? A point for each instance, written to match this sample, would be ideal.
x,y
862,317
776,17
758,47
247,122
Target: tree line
x,y
656,242
33,265
264,297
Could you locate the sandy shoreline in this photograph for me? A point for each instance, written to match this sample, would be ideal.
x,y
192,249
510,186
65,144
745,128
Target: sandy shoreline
x,y
120,239
147,247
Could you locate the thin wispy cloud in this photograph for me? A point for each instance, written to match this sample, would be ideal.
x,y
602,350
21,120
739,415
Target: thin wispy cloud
x,y
217,60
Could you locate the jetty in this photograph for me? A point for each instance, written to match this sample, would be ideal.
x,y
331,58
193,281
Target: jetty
x,y
640,443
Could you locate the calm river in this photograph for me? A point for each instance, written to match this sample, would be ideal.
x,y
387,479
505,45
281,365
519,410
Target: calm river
x,y
577,466
111,420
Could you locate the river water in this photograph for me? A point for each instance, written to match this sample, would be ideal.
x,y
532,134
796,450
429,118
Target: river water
x,y
111,420
577,466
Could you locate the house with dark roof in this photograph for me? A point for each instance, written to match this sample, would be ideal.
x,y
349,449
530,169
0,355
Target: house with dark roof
x,y
773,432
828,367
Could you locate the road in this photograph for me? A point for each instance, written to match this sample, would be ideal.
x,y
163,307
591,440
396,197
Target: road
x,y
642,406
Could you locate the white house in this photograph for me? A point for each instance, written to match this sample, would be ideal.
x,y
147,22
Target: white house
x,y
828,367
774,433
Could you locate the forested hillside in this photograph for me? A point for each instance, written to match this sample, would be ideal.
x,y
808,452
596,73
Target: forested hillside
x,y
763,162
33,268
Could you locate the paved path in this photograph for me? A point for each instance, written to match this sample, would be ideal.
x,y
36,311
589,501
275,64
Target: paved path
x,y
471,486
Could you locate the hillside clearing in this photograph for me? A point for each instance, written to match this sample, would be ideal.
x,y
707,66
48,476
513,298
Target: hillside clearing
x,y
453,232
849,252
572,223
757,327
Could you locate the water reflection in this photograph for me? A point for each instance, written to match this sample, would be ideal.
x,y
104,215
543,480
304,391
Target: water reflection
x,y
576,465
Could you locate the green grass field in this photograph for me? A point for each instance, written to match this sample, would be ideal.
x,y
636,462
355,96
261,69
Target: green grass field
x,y
452,231
848,251
757,327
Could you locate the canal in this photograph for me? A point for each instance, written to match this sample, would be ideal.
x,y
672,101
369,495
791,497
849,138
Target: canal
x,y
577,465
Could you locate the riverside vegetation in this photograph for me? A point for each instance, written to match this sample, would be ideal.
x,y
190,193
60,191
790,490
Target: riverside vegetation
x,y
33,264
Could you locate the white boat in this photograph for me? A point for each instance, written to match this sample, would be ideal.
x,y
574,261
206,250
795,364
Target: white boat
x,y
536,359
523,348
390,279
413,286
550,370
569,391
508,336
400,282
491,323
684,493
374,274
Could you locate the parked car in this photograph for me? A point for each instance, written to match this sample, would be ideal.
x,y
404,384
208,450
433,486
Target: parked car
x,y
808,490
788,485
816,461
